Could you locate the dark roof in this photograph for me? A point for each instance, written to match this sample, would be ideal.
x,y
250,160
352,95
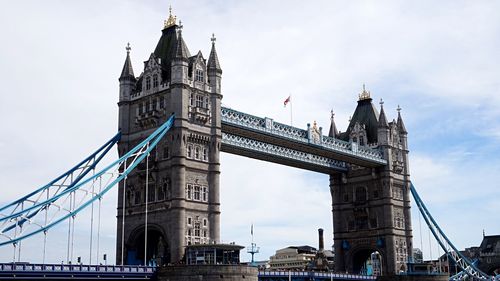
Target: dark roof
x,y
166,49
365,114
213,60
401,125
127,71
489,243
333,132
304,249
382,120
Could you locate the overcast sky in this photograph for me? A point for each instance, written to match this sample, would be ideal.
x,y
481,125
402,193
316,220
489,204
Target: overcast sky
x,y
59,68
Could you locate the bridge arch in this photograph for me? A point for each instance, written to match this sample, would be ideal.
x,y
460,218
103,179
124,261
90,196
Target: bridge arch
x,y
158,249
360,256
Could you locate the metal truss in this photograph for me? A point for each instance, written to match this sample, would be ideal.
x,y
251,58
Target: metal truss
x,y
279,130
72,192
259,147
468,267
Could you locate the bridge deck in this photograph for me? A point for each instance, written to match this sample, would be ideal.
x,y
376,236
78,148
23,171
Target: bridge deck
x,y
10,271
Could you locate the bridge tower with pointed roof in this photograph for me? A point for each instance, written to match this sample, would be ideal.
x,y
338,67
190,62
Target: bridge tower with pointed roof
x,y
371,206
181,193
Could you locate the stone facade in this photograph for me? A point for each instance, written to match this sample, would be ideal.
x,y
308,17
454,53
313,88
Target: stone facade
x,y
371,206
181,176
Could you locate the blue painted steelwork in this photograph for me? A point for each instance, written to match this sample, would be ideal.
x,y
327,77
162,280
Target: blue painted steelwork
x,y
19,271
133,158
282,152
271,275
93,159
268,126
467,266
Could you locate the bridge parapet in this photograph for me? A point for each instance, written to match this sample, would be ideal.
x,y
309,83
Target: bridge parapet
x,y
268,126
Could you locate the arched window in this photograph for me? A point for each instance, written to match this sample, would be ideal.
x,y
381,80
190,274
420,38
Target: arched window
x,y
197,152
148,83
155,80
360,194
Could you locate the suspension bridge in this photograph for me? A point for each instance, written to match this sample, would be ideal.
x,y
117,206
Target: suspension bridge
x,y
84,185
172,130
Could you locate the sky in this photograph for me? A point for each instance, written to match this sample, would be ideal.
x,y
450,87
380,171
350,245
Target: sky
x,y
59,68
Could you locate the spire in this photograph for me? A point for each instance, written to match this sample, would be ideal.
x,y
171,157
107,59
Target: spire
x,y
365,95
171,19
213,60
382,120
127,71
400,123
333,129
181,50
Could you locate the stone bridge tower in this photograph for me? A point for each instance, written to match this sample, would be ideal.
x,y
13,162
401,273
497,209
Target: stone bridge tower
x,y
183,172
371,206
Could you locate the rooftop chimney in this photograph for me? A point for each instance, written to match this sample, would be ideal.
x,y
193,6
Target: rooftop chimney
x,y
321,242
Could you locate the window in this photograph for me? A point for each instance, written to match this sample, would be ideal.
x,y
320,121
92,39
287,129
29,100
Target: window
x,y
141,109
155,80
197,229
189,220
137,197
189,232
191,99
196,195
199,75
153,105
189,192
151,193
204,233
360,194
197,152
205,222
162,102
166,152
162,190
205,194
148,82
190,151
346,197
361,140
199,101
205,154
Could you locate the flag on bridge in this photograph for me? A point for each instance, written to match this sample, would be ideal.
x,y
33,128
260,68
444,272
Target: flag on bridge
x,y
289,99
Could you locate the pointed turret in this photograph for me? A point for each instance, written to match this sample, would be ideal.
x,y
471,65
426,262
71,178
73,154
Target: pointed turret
x,y
401,125
333,133
213,60
214,70
383,126
382,120
127,71
181,51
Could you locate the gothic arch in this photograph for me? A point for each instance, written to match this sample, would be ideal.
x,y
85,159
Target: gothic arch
x,y
158,249
357,256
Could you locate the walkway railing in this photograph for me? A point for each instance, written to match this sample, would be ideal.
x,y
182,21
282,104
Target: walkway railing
x,y
311,275
268,126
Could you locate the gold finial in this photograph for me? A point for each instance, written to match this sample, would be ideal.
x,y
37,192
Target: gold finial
x,y
171,19
365,94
